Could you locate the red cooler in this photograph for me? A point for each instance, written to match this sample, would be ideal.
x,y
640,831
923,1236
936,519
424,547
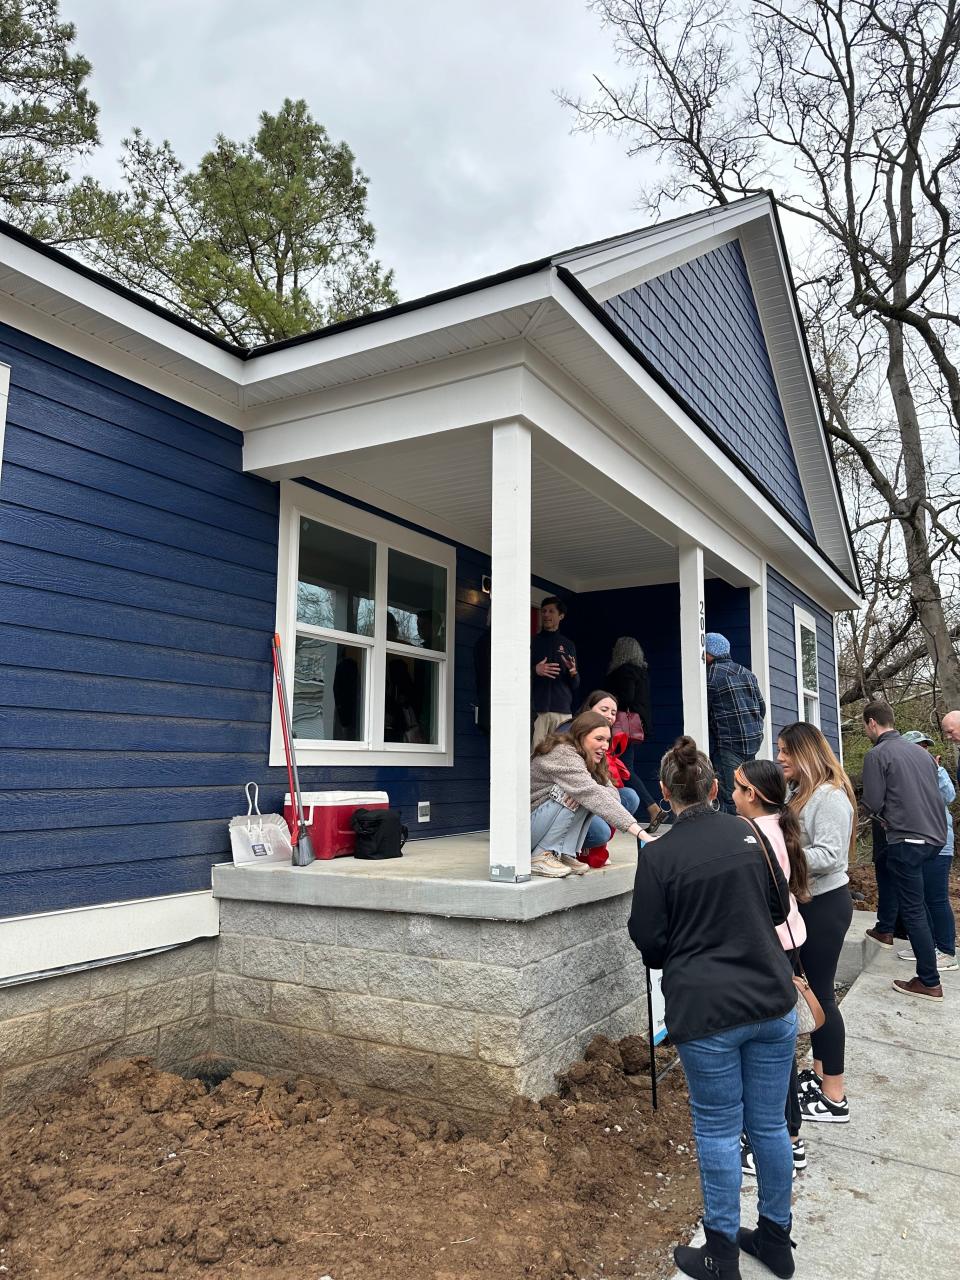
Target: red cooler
x,y
328,815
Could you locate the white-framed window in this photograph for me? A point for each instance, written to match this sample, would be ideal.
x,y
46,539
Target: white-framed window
x,y
808,666
365,612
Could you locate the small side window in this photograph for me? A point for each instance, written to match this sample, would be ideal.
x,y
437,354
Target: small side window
x,y
808,669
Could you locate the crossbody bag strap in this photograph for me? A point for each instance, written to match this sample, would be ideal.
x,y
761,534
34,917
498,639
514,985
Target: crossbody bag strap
x,y
762,841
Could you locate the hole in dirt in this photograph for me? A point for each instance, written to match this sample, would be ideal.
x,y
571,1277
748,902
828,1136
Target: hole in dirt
x,y
210,1072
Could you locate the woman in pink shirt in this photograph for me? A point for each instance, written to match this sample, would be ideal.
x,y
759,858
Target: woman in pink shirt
x,y
760,794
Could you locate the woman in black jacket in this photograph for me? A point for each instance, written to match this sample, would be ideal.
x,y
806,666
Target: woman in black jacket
x,y
704,910
628,679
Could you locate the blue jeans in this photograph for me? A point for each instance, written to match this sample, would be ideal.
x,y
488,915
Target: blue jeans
x,y
936,897
738,1080
598,831
558,829
901,875
725,761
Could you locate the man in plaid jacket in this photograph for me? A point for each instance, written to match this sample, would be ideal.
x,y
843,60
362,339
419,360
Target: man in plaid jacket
x,y
735,711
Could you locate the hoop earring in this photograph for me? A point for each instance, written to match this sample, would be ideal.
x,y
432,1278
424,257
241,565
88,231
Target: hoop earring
x,y
663,805
715,805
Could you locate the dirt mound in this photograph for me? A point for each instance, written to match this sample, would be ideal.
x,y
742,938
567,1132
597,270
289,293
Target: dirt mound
x,y
142,1173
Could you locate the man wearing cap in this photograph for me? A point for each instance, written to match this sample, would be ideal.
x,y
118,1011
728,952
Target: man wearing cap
x,y
735,712
900,786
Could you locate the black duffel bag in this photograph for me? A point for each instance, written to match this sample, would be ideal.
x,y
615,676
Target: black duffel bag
x,y
380,833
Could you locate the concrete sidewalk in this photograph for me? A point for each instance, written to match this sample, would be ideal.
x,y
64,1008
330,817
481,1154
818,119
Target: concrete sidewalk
x,y
878,1198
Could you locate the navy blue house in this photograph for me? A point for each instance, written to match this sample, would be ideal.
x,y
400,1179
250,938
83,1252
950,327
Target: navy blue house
x,y
632,424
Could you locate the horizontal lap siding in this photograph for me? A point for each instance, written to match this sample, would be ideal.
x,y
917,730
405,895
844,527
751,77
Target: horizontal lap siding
x,y
699,327
782,596
137,593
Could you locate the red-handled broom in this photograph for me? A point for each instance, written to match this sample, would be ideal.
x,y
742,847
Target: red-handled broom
x,y
303,853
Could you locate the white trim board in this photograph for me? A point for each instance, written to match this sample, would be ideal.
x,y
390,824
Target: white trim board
x,y
4,400
59,939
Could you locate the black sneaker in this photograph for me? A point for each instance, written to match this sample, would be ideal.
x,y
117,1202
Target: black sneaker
x,y
808,1079
748,1164
799,1155
815,1106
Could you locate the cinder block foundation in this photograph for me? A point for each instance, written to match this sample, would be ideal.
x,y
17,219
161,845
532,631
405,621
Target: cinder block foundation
x,y
466,1013
53,1030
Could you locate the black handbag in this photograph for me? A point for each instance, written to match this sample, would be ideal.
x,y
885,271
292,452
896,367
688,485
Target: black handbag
x,y
380,833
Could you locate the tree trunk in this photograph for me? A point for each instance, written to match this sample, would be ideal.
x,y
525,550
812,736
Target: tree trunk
x,y
912,516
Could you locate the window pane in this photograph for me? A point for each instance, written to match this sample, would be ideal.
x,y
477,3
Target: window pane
x,y
808,653
417,602
411,708
335,579
811,709
328,690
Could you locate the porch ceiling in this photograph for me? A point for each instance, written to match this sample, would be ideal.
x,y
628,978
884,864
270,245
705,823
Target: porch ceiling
x,y
577,540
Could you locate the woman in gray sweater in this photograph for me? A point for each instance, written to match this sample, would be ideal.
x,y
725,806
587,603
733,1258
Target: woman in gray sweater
x,y
822,798
569,783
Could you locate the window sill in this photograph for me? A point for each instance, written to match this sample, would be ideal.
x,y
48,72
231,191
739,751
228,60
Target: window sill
x,y
337,758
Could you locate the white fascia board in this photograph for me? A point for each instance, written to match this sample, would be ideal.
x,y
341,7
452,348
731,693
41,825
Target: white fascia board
x,y
627,262
283,451
695,440
4,398
106,355
387,386
60,939
415,323
78,290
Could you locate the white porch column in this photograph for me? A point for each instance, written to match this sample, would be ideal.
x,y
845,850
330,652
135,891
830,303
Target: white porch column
x,y
693,668
760,654
510,654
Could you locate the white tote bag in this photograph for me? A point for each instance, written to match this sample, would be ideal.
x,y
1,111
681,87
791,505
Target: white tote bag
x,y
259,837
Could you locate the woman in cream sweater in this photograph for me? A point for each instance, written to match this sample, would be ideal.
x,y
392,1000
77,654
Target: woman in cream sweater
x,y
569,783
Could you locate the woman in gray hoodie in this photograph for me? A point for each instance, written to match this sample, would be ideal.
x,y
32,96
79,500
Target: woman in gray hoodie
x,y
822,798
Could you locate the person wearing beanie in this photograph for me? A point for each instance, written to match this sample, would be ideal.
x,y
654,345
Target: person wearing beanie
x,y
735,713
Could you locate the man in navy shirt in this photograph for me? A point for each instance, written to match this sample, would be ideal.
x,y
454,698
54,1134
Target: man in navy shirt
x,y
555,681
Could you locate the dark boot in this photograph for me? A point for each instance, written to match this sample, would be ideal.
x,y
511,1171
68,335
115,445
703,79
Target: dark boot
x,y
718,1259
771,1244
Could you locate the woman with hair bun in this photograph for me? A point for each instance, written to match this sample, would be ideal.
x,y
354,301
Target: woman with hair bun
x,y
704,909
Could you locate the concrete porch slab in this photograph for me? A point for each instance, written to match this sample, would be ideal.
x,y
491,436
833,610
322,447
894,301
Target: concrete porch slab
x,y
447,876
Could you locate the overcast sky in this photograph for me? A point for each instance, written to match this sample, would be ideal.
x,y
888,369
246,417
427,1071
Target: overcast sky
x,y
448,106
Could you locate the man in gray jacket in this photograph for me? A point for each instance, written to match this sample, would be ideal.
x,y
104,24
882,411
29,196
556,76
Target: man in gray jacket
x,y
900,786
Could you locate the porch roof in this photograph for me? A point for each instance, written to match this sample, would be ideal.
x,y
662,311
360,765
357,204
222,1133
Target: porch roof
x,y
548,311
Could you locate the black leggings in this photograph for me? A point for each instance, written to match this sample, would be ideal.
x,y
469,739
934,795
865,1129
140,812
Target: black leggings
x,y
827,918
